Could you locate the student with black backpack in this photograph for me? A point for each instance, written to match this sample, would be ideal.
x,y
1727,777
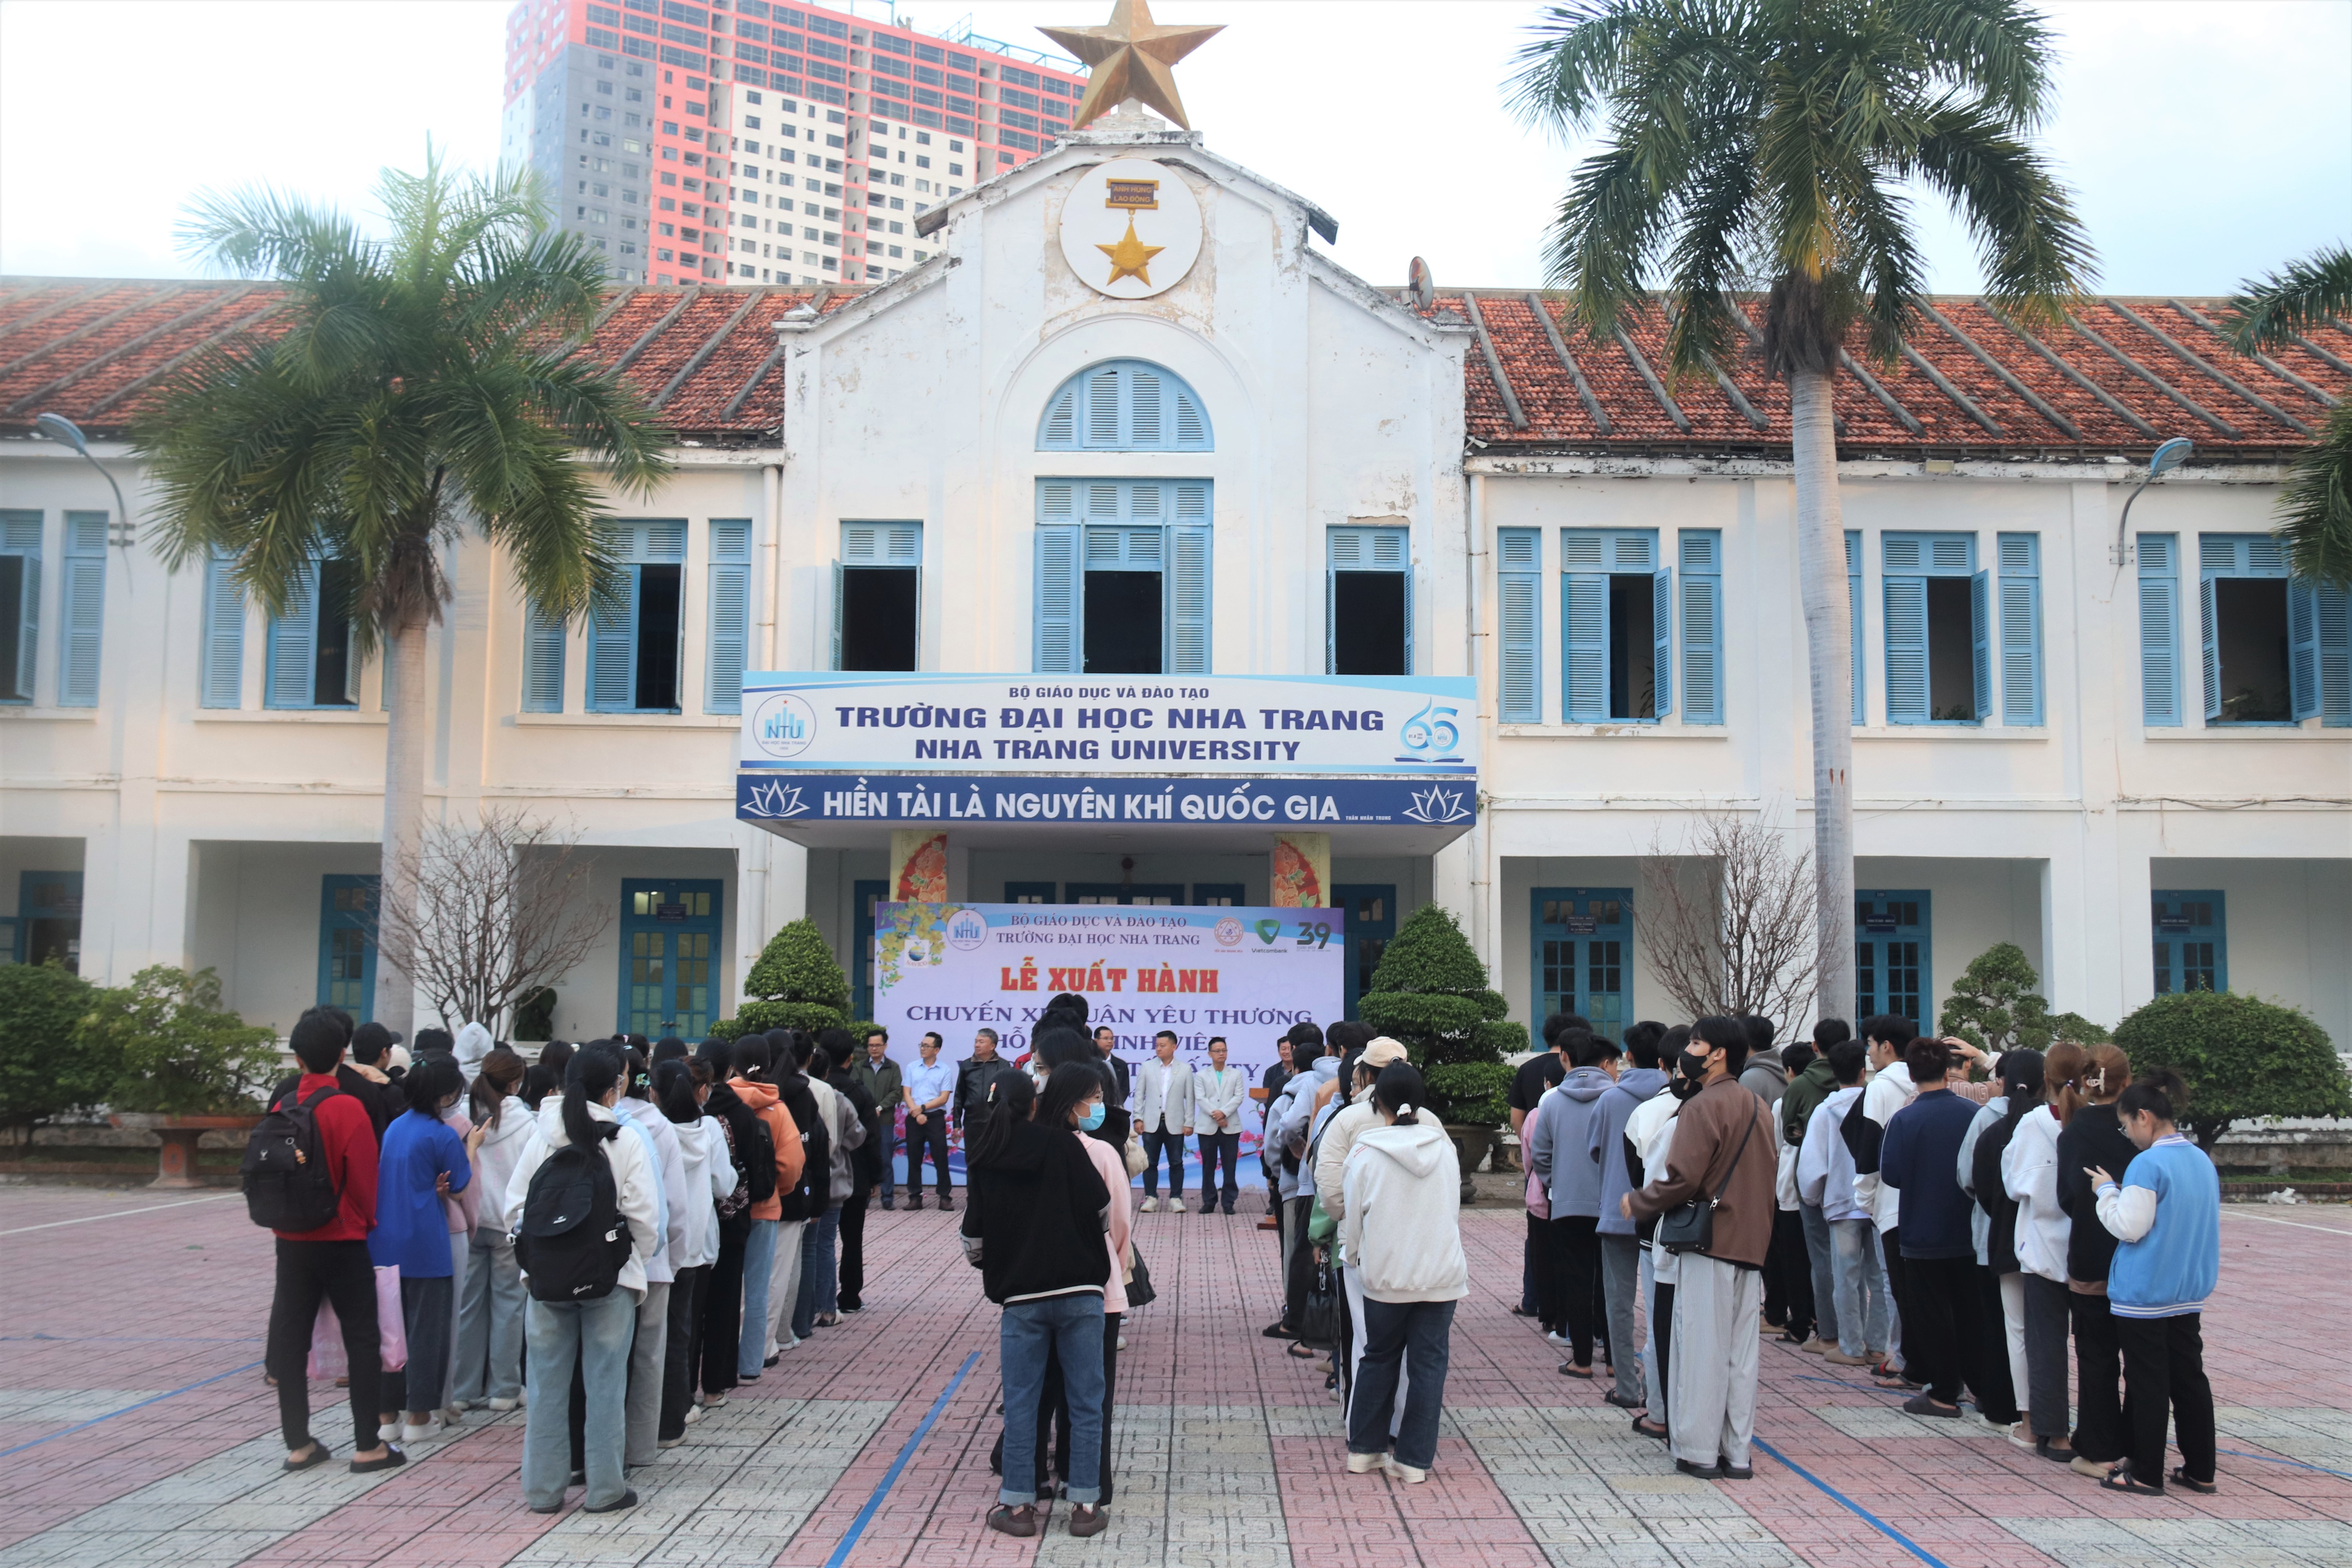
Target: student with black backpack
x,y
722,1293
768,1151
582,1210
310,1177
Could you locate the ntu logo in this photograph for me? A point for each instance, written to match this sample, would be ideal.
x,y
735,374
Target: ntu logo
x,y
784,725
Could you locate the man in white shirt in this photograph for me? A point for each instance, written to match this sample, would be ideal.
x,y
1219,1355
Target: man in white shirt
x,y
1163,1110
1888,1091
1217,1094
928,1087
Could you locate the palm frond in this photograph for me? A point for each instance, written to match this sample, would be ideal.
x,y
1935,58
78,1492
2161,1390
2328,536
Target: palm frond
x,y
2001,52
2037,259
2265,312
2314,507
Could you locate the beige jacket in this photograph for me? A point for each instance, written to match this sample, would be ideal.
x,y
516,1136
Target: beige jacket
x,y
1331,1154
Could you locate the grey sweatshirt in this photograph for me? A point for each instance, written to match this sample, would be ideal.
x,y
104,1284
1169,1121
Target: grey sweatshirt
x,y
1557,1149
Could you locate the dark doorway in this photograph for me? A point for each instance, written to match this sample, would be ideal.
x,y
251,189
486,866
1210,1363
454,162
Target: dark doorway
x,y
877,618
1951,651
1123,623
1368,624
2249,638
657,618
1632,671
331,683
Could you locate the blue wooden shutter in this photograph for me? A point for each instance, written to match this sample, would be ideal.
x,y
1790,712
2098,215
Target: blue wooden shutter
x,y
1059,585
2332,609
1126,405
613,649
1361,549
730,615
2020,629
1699,553
221,683
81,607
293,641
1856,655
1906,651
542,663
1980,643
20,537
2159,630
1662,641
1188,583
2302,648
1059,429
2209,605
1519,611
1584,624
1101,411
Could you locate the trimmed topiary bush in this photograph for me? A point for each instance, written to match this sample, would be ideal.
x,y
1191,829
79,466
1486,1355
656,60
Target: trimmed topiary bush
x,y
1431,992
1470,1094
2242,1058
795,985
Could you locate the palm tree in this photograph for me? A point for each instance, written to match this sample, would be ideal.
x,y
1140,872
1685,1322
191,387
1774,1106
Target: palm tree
x,y
2315,505
408,389
1768,144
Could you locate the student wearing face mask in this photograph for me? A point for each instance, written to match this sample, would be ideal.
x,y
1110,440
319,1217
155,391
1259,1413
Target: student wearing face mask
x,y
423,1162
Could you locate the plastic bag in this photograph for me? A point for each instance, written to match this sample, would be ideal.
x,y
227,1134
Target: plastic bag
x,y
1538,1199
327,1357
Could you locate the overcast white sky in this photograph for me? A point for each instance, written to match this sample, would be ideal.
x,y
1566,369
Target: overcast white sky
x,y
2205,139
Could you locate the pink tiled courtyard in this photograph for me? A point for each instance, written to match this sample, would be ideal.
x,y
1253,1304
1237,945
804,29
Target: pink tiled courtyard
x,y
135,1429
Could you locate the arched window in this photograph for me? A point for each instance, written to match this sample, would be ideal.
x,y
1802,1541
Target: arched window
x,y
1124,405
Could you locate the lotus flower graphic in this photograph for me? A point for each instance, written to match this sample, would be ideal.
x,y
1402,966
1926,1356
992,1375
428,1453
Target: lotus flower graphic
x,y
1439,805
775,798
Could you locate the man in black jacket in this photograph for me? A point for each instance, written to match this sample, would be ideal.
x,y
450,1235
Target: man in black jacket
x,y
864,1164
367,1084
979,1070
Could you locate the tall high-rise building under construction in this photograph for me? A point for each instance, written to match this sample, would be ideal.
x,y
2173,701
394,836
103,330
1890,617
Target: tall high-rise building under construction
x,y
750,143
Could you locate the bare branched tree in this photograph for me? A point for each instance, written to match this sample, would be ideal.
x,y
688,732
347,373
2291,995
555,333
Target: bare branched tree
x,y
503,907
1738,937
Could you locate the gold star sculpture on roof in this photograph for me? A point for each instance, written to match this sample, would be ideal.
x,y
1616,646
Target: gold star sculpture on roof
x,y
1130,257
1130,59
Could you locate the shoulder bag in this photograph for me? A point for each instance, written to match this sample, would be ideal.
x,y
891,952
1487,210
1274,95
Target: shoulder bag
x,y
1690,1226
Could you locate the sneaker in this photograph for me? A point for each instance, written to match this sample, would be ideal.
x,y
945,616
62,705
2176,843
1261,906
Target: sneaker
x,y
1088,1518
626,1499
503,1405
914,1205
1175,1205
1837,1357
1122,1341
1150,1205
1562,1341
1365,1464
1406,1473
1011,1520
947,1205
1816,1346
853,1305
1210,1209
1921,1405
714,1402
888,1203
414,1431
693,1414
389,1432
669,1442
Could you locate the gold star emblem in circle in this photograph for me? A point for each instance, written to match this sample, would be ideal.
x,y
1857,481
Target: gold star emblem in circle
x,y
1130,257
1130,59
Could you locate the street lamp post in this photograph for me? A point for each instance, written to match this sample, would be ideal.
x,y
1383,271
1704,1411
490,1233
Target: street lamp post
x,y
66,433
2162,461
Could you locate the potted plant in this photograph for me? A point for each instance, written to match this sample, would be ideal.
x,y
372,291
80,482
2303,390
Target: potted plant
x,y
795,985
183,1066
1431,992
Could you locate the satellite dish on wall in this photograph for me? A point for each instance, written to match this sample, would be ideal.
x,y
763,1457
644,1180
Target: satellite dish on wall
x,y
1419,285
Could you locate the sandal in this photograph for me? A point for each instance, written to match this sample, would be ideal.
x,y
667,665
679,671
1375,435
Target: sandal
x,y
1303,1351
2121,1480
1570,1368
319,1454
392,1460
2202,1489
1649,1429
1622,1402
1011,1520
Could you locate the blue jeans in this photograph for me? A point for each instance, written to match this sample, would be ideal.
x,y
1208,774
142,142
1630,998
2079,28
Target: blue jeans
x,y
1227,1147
1071,1328
759,1261
597,1333
1822,1253
1863,1305
489,1321
888,1153
1155,1144
819,1278
1415,1335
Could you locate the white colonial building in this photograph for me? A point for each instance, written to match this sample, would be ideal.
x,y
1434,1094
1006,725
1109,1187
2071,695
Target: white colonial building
x,y
1130,421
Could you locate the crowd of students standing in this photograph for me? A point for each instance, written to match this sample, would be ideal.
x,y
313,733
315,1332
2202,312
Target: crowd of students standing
x,y
1893,1203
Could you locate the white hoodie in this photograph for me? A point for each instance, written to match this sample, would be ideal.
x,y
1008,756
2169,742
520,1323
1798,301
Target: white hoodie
x,y
494,1162
634,1184
472,1044
1403,1228
1824,1165
1889,1091
2029,1169
646,1119
710,1175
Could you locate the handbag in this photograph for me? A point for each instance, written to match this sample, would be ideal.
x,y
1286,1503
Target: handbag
x,y
327,1357
1538,1198
1318,1317
1134,1151
1140,1292
1690,1226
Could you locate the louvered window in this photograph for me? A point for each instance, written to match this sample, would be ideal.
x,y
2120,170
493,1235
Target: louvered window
x,y
636,640
729,611
1124,574
1368,601
2160,629
2020,629
1125,406
310,657
222,681
2252,674
1617,619
82,609
1518,576
20,604
1938,629
1853,621
878,595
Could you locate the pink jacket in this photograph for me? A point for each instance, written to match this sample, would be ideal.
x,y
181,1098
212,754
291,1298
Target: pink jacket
x,y
1112,1169
464,1207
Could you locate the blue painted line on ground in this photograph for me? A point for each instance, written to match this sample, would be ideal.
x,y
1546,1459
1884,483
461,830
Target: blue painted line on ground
x,y
891,1478
1872,1520
126,1410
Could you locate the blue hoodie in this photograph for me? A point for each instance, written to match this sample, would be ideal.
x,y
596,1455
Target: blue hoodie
x,y
1557,1148
1606,1142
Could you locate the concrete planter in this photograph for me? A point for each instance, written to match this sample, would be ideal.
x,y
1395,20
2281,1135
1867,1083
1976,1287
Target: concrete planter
x,y
1470,1147
176,1161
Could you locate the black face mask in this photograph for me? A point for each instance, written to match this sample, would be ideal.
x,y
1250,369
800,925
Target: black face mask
x,y
1694,1065
1682,1087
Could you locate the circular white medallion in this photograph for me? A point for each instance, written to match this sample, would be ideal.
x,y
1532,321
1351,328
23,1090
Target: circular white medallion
x,y
1131,229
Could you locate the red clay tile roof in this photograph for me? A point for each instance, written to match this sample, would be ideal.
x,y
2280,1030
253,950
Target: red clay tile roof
x,y
94,350
2128,373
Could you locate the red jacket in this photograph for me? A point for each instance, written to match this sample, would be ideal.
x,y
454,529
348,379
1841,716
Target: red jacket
x,y
349,1138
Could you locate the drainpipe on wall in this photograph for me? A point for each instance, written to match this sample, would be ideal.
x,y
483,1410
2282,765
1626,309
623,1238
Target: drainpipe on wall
x,y
759,861
1473,555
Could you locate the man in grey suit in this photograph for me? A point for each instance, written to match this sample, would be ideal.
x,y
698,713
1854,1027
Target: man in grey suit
x,y
1163,1111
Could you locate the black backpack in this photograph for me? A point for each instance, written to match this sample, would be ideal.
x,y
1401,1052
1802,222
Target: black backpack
x,y
288,1186
813,1195
1862,1136
760,1159
572,1241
